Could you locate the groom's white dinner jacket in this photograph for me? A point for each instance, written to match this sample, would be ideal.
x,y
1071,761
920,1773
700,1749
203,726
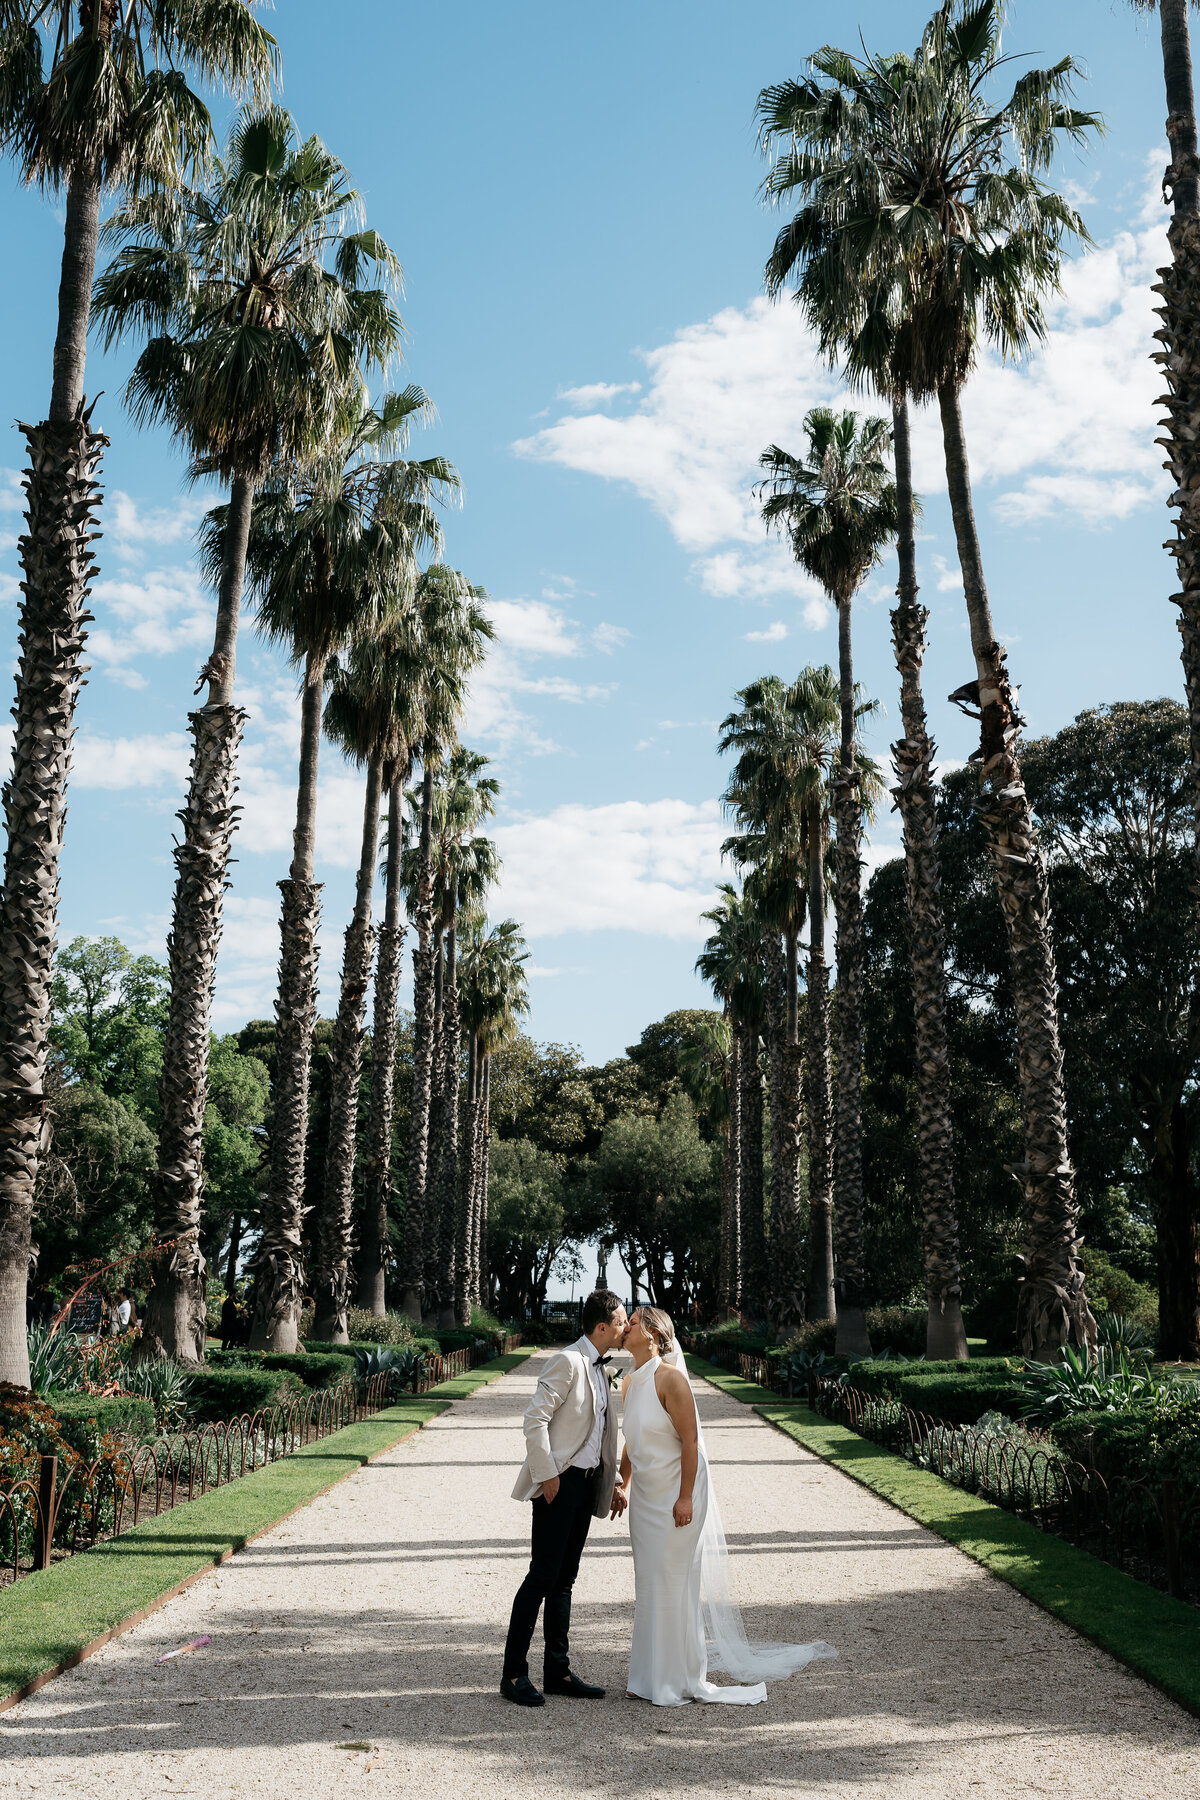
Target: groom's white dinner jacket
x,y
558,1423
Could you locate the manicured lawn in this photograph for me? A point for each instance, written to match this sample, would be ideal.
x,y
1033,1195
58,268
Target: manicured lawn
x,y
50,1618
1140,1626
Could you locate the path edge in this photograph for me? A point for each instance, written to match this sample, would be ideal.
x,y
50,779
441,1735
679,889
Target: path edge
x,y
1170,1662
458,1387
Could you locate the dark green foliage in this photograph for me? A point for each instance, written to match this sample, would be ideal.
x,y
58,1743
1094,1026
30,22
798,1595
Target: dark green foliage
x,y
228,1393
315,1371
86,1419
886,1375
426,1342
960,1393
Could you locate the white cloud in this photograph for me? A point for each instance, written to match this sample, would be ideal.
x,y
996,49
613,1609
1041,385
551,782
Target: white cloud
x,y
158,613
631,866
130,527
12,494
533,626
947,576
607,638
597,393
1069,432
527,630
774,634
133,762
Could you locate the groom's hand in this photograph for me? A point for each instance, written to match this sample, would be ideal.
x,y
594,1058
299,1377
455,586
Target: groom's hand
x,y
550,1489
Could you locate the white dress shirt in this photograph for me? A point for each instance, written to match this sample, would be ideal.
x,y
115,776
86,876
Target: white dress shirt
x,y
589,1456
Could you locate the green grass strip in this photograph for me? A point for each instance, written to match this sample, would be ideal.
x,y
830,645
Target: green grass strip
x,y
1139,1625
51,1618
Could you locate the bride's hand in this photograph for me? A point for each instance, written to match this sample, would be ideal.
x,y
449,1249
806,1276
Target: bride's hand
x,y
620,1499
683,1510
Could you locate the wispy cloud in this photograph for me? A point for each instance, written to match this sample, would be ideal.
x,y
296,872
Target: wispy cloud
x,y
597,393
773,634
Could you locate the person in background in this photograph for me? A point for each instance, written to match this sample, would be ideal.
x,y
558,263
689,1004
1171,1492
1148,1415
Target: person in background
x,y
126,1312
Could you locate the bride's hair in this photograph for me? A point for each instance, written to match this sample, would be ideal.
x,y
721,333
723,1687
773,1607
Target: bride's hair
x,y
658,1324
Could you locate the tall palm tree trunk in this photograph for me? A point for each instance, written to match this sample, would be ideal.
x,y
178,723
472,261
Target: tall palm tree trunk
x,y
413,1258
775,992
468,1175
279,1271
433,1215
1052,1308
750,1196
62,495
852,1337
174,1322
819,1094
1179,333
483,1277
332,1287
377,1170
731,1182
912,756
448,1195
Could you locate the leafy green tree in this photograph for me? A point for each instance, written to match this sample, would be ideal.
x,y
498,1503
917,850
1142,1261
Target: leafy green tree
x,y
94,1196
657,1181
258,303
528,1224
495,996
92,97
234,1142
109,1013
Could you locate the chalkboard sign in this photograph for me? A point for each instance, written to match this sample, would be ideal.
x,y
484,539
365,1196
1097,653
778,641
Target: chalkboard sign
x,y
86,1313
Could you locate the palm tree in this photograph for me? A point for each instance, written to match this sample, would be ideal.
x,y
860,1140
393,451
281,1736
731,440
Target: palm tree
x,y
453,630
494,997
732,964
840,509
1179,287
464,866
706,1067
813,251
764,794
944,231
331,553
372,713
253,298
92,97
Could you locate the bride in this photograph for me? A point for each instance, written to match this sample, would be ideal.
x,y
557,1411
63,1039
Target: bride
x,y
685,1617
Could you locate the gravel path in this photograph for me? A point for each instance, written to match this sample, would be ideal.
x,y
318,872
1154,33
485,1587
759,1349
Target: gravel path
x,y
357,1648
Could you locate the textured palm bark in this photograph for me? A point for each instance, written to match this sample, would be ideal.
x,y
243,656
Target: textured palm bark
x,y
58,566
818,1098
437,1076
776,1013
174,1320
750,1194
279,1269
377,1161
786,1249
485,1133
1052,1308
731,1184
464,1266
412,1260
331,1287
449,1197
852,1338
913,758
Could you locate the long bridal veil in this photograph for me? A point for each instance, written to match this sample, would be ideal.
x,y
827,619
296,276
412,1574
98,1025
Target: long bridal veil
x,y
729,1649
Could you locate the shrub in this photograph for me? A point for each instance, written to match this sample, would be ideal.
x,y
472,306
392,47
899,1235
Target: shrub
x,y
1112,1289
885,1375
50,1358
533,1331
86,1420
317,1369
1109,1382
394,1328
165,1384
29,1427
322,1347
900,1329
957,1392
228,1393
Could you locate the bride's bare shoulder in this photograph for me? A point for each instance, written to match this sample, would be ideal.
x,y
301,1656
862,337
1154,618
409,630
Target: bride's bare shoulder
x,y
670,1380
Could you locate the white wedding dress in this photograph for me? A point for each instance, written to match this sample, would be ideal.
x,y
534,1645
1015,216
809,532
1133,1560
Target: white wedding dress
x,y
685,1617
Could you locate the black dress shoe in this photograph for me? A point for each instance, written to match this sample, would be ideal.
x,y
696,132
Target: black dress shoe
x,y
572,1687
521,1691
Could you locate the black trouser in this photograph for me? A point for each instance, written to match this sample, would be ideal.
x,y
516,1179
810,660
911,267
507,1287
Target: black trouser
x,y
560,1528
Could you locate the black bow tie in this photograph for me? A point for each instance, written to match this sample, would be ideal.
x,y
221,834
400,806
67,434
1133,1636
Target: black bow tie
x,y
601,1360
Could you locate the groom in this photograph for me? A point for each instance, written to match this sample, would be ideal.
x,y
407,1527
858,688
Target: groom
x,y
569,1473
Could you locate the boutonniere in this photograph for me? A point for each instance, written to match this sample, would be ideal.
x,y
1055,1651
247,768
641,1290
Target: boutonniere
x,y
615,1378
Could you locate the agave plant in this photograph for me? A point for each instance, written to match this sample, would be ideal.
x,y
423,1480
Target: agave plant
x,y
51,1359
166,1384
1109,1382
1123,1336
403,1366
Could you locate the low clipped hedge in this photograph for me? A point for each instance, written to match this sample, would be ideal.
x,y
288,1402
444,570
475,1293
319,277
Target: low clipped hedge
x,y
315,1370
84,1419
958,1392
319,1347
1149,1440
229,1392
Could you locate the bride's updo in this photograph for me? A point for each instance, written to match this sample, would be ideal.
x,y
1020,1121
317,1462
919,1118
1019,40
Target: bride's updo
x,y
657,1324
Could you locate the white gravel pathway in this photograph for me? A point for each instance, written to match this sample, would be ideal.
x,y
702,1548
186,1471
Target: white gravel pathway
x,y
376,1617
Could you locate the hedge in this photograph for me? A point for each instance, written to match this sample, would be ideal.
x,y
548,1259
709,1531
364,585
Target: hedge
x,y
84,1418
227,1393
959,1396
886,1376
317,1370
321,1347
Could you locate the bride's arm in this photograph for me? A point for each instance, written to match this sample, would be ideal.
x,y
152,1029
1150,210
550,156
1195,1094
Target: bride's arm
x,y
676,1395
620,1499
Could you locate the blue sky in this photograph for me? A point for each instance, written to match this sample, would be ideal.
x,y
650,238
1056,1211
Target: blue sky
x,y
573,193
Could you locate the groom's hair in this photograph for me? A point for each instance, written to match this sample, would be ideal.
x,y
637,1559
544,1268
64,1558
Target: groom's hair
x,y
600,1308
